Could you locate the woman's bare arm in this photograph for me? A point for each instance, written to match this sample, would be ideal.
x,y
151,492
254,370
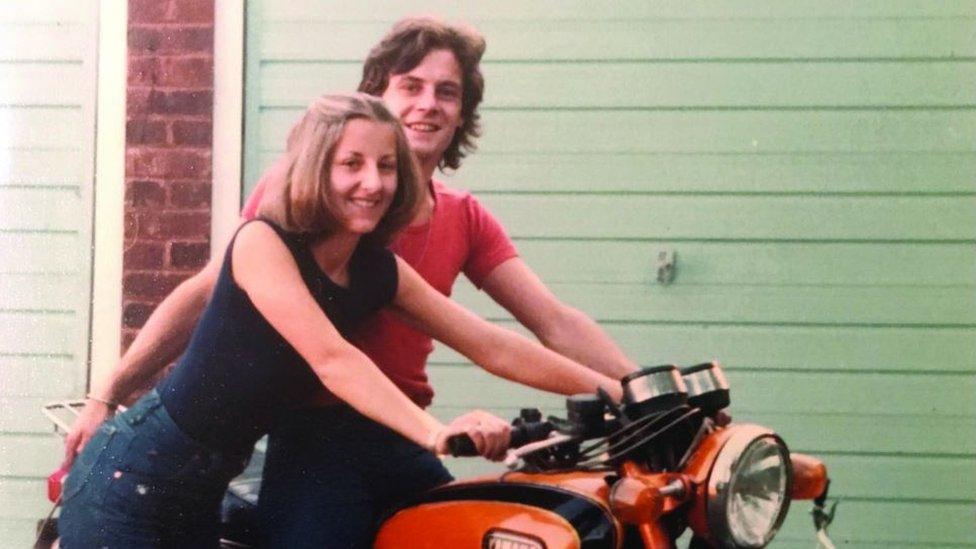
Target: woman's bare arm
x,y
265,269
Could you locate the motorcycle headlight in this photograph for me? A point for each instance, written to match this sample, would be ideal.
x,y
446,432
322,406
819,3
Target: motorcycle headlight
x,y
748,489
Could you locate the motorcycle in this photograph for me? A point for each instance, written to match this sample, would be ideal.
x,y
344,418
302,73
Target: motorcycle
x,y
606,476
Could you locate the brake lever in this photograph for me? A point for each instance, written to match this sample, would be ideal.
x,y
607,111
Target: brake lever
x,y
514,455
608,401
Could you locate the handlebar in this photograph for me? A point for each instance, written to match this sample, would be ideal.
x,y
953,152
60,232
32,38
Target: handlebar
x,y
462,445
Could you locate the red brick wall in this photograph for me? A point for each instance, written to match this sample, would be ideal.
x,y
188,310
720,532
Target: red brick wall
x,y
169,116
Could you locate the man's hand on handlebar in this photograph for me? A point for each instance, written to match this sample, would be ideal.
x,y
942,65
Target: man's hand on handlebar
x,y
489,433
91,416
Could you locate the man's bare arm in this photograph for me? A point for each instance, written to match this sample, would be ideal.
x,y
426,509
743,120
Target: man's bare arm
x,y
562,328
160,341
163,338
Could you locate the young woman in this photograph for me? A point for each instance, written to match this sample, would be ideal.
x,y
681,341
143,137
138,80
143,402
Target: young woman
x,y
293,284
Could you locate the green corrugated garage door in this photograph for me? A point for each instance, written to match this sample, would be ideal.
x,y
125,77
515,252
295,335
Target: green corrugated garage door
x,y
812,164
47,136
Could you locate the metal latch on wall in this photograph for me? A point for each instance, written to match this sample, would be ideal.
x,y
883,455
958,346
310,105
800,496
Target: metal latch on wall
x,y
666,265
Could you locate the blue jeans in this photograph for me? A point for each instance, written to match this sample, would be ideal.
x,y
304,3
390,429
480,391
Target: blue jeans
x,y
330,473
141,482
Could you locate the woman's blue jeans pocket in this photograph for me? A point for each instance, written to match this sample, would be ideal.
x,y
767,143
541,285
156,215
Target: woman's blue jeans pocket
x,y
139,495
91,454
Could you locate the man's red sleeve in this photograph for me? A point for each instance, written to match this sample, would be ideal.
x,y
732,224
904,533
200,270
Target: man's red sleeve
x,y
275,175
490,244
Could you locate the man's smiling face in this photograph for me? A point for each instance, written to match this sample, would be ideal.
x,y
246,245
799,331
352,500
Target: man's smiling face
x,y
427,99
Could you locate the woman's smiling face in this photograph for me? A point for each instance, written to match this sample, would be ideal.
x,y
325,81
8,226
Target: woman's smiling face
x,y
363,175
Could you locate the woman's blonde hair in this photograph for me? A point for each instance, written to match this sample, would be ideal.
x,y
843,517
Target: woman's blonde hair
x,y
301,203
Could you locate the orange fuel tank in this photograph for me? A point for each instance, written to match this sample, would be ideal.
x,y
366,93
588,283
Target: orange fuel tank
x,y
515,511
477,524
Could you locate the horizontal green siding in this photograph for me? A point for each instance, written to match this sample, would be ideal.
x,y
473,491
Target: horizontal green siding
x,y
732,38
39,209
44,167
37,334
581,11
756,85
27,453
747,217
24,42
812,165
863,523
794,348
760,391
703,132
47,110
18,253
754,263
41,375
37,292
41,83
840,173
46,127
761,305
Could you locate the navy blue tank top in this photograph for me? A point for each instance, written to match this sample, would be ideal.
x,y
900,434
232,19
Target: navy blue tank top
x,y
238,374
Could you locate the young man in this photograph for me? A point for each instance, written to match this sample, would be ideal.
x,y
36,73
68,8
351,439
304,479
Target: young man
x,y
428,74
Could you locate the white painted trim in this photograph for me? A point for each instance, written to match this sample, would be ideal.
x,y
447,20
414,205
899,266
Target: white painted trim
x,y
227,121
106,321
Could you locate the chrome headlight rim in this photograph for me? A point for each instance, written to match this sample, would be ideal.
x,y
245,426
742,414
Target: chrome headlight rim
x,y
727,462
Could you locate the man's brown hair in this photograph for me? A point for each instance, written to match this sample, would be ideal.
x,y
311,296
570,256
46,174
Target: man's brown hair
x,y
301,204
406,45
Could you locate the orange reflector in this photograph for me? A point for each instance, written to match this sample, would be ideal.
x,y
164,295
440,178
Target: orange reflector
x,y
54,484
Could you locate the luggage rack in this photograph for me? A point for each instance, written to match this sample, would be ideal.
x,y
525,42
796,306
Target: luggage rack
x,y
63,413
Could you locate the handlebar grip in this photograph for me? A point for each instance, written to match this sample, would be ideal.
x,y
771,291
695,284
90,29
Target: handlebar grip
x,y
462,445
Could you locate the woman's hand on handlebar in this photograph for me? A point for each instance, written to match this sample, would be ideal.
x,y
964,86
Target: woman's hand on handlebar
x,y
489,433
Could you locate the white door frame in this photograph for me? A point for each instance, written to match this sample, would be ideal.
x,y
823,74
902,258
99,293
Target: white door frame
x,y
228,121
106,313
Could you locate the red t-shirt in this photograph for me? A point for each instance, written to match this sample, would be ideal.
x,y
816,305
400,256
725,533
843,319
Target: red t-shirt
x,y
461,236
